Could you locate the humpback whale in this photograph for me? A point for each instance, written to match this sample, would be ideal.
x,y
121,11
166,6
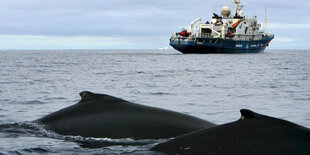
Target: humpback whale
x,y
252,134
101,116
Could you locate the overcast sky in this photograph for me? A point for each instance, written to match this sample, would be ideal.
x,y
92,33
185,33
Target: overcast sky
x,y
135,24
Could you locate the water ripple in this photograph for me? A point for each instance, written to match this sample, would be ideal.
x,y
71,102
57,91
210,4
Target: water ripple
x,y
33,102
214,87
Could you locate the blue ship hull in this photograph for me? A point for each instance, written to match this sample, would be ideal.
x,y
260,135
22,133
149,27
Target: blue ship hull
x,y
215,45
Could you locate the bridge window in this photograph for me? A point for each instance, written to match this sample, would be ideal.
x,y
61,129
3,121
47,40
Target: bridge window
x,y
206,30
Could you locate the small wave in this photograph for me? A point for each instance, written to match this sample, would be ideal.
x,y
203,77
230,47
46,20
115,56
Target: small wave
x,y
158,76
160,93
37,150
104,142
91,142
272,86
33,102
32,129
302,99
285,68
41,80
56,98
98,73
15,152
20,128
211,77
191,104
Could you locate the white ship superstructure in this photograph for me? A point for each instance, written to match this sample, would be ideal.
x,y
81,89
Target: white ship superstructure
x,y
224,33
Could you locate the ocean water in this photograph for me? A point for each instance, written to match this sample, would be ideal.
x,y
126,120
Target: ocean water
x,y
213,87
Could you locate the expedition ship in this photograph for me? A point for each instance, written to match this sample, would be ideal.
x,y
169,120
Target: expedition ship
x,y
224,34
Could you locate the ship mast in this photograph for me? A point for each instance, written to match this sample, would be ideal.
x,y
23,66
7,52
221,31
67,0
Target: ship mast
x,y
265,21
237,2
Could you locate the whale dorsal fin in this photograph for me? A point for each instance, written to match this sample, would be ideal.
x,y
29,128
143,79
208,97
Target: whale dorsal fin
x,y
247,114
86,96
89,96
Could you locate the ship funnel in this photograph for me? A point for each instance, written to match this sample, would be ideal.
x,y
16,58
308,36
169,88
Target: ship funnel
x,y
225,11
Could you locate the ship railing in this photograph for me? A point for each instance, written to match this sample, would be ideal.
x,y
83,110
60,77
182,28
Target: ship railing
x,y
268,35
174,36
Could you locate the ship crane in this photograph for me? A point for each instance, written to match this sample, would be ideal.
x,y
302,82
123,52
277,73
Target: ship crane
x,y
194,22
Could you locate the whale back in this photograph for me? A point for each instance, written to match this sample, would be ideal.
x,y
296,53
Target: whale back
x,y
252,134
101,115
89,104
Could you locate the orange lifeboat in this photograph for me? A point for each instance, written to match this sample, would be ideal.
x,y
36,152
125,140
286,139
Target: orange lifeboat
x,y
184,33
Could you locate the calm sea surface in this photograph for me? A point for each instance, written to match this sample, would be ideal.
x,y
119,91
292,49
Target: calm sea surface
x,y
213,87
